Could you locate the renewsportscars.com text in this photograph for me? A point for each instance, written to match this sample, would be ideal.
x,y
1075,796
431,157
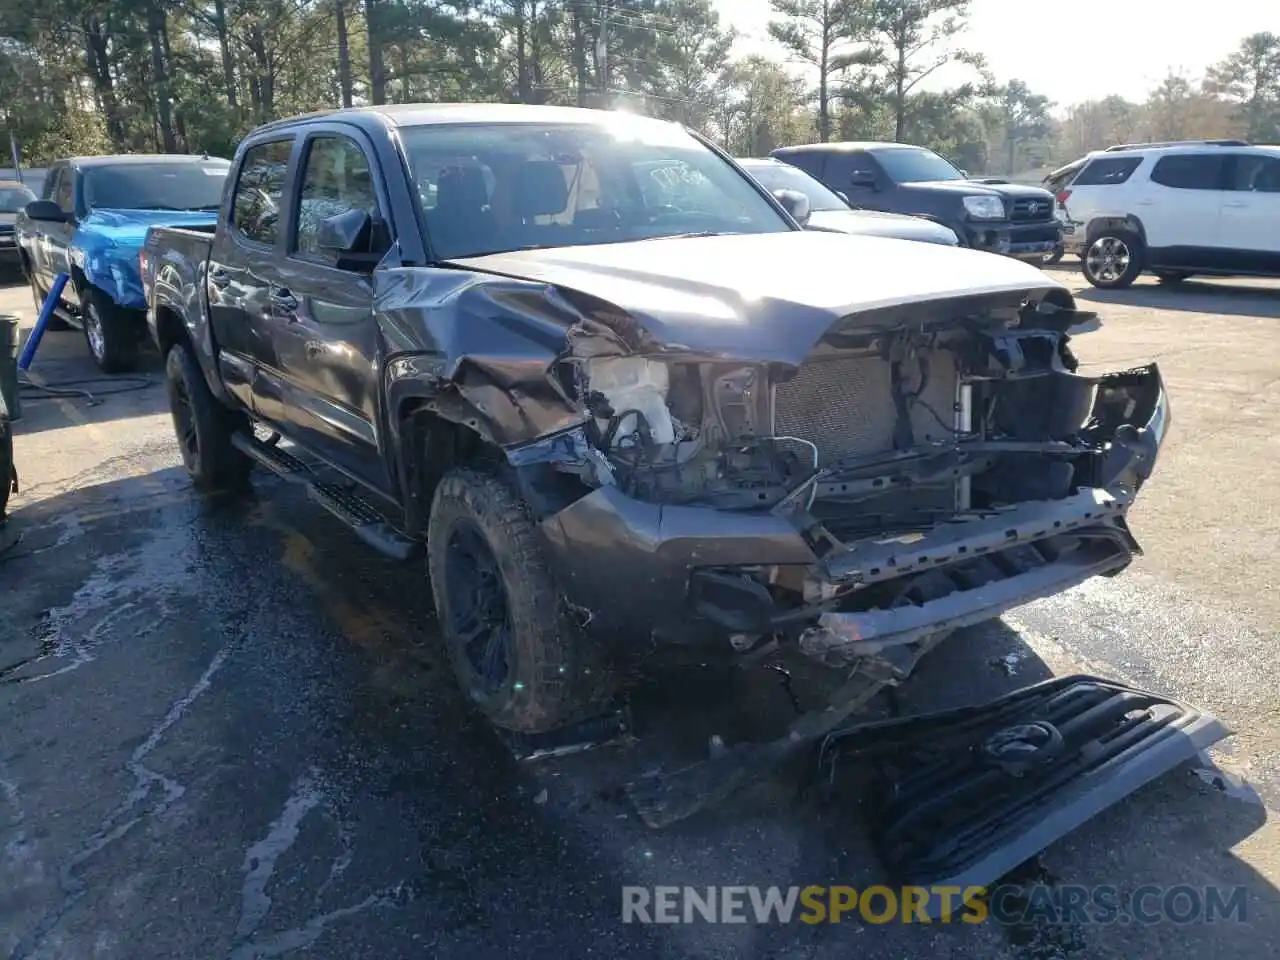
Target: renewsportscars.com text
x,y
1008,904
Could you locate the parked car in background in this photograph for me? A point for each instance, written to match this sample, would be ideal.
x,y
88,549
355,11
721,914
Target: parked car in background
x,y
1057,183
828,210
90,222
30,177
13,197
1177,209
1006,218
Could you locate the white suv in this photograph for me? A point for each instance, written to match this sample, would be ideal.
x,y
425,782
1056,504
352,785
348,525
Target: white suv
x,y
1198,207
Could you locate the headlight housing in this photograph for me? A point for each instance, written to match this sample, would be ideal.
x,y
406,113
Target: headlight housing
x,y
984,208
636,389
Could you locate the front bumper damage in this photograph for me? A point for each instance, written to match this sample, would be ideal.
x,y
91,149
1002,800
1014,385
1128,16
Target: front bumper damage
x,y
674,572
973,567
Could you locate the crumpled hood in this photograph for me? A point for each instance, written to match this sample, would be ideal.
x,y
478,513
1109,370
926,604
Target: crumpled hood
x,y
762,297
874,223
107,242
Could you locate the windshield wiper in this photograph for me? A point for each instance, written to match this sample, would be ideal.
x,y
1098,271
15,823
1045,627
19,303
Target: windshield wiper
x,y
686,236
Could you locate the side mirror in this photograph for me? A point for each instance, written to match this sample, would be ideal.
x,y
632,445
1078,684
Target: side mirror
x,y
355,239
45,210
863,180
795,203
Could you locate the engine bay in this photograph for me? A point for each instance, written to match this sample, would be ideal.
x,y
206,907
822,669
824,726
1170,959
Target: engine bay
x,y
886,431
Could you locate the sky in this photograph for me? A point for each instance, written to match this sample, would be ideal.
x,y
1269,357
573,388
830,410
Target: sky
x,y
1065,51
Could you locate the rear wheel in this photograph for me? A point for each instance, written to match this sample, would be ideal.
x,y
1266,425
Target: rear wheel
x,y
1113,259
204,427
517,654
109,331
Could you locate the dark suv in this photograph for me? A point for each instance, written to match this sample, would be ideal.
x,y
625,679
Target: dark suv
x,y
992,215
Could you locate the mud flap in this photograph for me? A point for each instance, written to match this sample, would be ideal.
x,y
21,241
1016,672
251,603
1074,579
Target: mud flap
x,y
961,797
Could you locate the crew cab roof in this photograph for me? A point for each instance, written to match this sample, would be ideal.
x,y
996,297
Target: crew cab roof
x,y
421,114
844,146
126,159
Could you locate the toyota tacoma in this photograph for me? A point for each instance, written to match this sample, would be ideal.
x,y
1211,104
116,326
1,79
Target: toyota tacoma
x,y
90,223
626,413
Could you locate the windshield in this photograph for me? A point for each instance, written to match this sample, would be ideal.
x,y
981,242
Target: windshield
x,y
156,186
489,188
782,176
914,164
14,198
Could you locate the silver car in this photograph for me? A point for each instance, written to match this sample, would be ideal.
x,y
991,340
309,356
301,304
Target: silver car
x,y
830,211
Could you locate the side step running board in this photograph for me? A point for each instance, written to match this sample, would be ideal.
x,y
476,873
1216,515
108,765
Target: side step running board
x,y
344,502
960,798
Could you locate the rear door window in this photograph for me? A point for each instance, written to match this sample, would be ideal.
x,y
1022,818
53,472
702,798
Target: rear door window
x,y
1104,171
1190,171
51,183
255,212
64,191
1255,173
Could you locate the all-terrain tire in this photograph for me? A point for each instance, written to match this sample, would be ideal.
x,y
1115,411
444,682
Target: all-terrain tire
x,y
1113,259
203,426
110,332
554,673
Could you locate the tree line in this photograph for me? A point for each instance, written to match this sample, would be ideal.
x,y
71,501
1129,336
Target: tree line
x,y
98,76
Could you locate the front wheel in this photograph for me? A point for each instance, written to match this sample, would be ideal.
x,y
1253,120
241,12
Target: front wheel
x,y
1113,260
204,427
517,654
109,332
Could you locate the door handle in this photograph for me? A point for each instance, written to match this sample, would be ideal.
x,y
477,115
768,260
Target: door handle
x,y
284,301
219,277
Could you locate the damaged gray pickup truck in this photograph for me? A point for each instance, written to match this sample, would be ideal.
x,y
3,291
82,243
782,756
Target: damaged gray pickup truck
x,y
627,404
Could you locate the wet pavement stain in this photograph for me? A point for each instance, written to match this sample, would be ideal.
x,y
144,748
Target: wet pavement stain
x,y
266,755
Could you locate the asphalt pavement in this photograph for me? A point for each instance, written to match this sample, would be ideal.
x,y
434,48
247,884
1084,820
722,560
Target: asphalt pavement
x,y
227,729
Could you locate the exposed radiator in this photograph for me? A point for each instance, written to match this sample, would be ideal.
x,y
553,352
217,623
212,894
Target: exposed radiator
x,y
844,404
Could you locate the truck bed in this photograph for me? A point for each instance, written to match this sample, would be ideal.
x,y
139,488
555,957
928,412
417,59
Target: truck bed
x,y
173,261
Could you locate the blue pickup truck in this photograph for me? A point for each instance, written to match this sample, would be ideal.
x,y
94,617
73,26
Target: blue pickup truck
x,y
90,222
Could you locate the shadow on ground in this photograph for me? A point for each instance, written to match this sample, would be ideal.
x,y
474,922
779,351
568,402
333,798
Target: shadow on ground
x,y
1194,296
230,731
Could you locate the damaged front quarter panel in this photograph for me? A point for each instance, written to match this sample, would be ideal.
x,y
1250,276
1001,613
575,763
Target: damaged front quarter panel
x,y
476,350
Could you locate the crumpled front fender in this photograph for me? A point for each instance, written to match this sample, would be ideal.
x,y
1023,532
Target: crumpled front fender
x,y
109,266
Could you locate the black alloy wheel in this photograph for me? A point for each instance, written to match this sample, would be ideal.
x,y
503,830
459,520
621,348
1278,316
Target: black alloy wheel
x,y
479,615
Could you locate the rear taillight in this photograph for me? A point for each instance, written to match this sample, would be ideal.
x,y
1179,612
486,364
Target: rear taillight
x,y
1063,197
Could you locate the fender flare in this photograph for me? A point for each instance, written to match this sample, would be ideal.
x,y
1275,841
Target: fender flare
x,y
1127,222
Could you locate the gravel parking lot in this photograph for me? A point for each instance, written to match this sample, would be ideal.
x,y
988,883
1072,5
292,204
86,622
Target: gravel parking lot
x,y
228,730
